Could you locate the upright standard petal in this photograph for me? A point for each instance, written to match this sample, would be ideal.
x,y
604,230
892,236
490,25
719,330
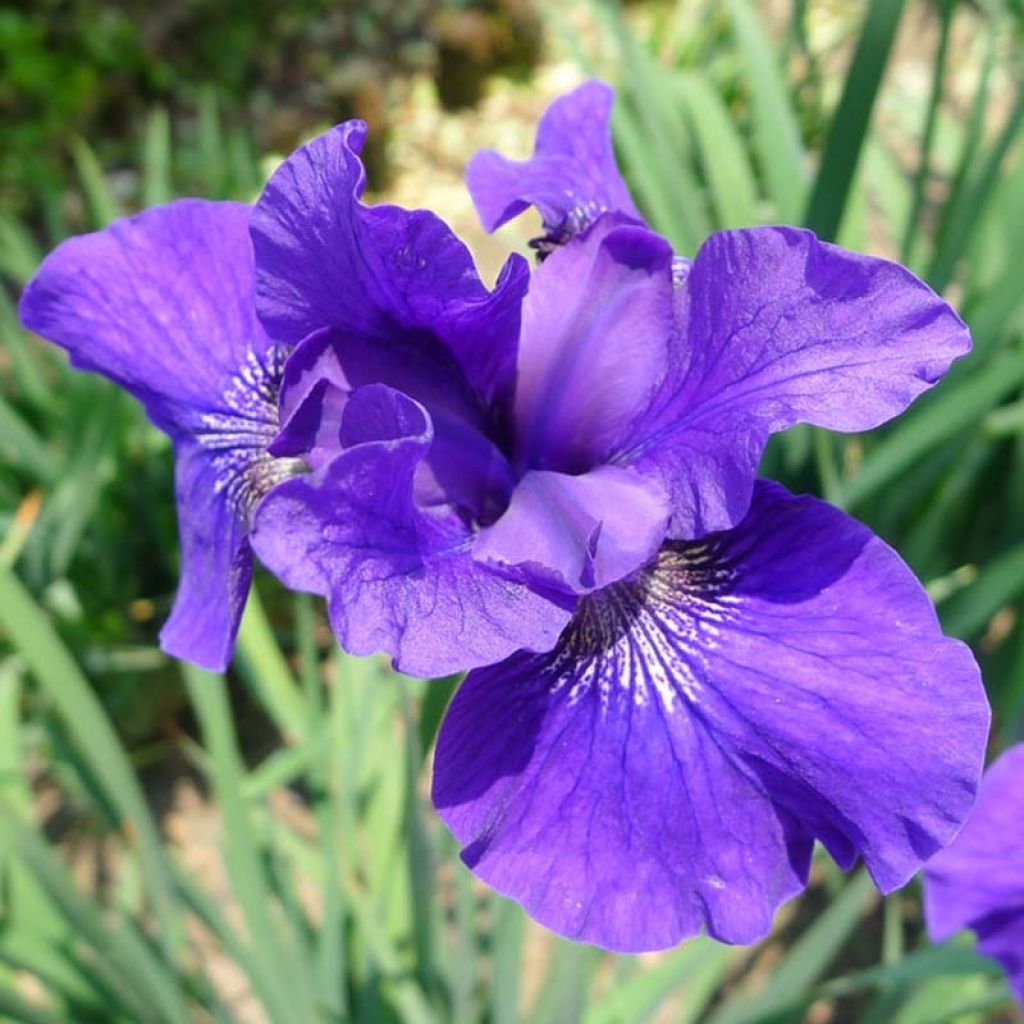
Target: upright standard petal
x,y
162,303
668,766
978,881
775,328
594,346
398,578
381,273
571,178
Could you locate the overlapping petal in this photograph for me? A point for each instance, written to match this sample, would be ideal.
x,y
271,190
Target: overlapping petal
x,y
379,273
581,532
572,177
663,770
162,303
978,881
398,578
775,328
216,565
594,347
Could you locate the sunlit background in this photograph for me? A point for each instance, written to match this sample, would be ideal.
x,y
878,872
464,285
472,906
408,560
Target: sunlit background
x,y
176,846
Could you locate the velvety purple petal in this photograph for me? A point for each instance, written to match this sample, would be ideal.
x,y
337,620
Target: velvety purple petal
x,y
463,465
583,531
384,274
571,178
162,303
978,881
216,566
777,328
398,578
596,326
668,766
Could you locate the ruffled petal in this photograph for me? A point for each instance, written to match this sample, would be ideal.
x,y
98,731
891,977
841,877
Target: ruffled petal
x,y
216,566
398,578
381,273
777,328
463,466
571,178
582,532
978,881
162,303
594,346
668,766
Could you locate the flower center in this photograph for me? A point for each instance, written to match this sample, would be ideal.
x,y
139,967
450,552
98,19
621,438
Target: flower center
x,y
238,438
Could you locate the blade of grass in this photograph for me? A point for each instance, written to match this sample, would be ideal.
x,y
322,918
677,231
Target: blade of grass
x,y
29,631
149,988
850,124
923,172
776,132
790,985
286,999
721,152
263,666
969,610
156,158
103,206
955,409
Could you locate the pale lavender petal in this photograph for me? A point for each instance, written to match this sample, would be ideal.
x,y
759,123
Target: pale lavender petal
x,y
571,178
668,766
978,881
594,345
777,328
162,303
398,578
383,274
583,532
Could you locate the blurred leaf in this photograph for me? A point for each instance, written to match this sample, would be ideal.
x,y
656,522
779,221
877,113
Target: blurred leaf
x,y
779,149
852,118
103,206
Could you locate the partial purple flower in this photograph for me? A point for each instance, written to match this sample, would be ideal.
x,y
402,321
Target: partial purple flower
x,y
162,303
692,676
398,394
978,881
572,177
669,765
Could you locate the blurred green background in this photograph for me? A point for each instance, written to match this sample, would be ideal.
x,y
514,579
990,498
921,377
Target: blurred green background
x,y
176,846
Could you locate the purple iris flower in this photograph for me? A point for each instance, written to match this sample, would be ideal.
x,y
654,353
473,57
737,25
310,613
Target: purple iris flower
x,y
978,881
683,676
162,303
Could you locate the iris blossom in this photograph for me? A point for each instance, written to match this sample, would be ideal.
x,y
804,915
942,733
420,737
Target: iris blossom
x,y
162,303
703,674
978,881
681,676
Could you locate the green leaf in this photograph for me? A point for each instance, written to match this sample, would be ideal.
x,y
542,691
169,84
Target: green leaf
x,y
777,140
850,124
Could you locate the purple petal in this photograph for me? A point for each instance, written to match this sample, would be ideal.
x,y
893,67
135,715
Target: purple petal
x,y
777,328
162,303
463,466
584,532
398,578
571,178
978,881
382,273
596,326
668,766
216,566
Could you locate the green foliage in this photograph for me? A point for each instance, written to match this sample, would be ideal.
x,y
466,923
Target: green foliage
x,y
342,898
